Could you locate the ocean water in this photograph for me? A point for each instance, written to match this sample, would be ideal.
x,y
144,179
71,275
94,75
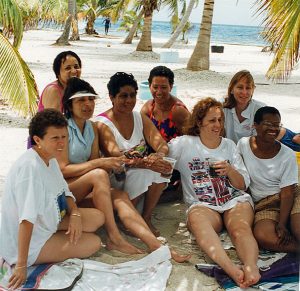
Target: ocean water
x,y
221,33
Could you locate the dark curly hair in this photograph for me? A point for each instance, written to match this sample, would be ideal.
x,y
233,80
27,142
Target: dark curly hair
x,y
74,85
259,114
118,80
42,120
60,58
161,71
199,112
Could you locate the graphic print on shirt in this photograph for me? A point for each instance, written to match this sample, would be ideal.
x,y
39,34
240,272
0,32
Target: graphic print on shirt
x,y
214,191
61,204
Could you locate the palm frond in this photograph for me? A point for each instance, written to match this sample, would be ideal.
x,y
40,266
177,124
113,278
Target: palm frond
x,y
11,19
17,84
282,31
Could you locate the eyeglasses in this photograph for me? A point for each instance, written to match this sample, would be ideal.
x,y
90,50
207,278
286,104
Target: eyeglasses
x,y
272,125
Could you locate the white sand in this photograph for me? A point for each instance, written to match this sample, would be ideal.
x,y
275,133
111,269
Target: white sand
x,y
101,58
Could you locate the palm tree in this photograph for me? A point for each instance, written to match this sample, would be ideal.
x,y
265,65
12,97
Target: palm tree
x,y
136,25
282,31
145,43
64,38
199,59
180,27
17,85
11,20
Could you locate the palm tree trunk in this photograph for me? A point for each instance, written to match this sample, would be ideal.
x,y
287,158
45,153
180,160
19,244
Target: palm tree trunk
x,y
145,44
64,38
200,57
132,31
180,26
75,30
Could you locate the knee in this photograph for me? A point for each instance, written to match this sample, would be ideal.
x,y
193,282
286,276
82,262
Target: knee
x,y
99,175
239,232
261,237
94,244
97,219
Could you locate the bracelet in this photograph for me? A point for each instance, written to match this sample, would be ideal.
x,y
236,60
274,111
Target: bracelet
x,y
21,267
76,214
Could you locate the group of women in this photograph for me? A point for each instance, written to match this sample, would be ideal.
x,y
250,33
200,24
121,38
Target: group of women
x,y
79,172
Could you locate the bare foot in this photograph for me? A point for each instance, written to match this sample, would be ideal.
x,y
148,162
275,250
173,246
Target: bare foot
x,y
179,258
252,275
237,275
123,246
153,229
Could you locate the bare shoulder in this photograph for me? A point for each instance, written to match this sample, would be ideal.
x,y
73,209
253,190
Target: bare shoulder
x,y
146,107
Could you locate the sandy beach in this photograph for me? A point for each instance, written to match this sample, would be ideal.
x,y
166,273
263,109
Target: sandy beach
x,y
101,58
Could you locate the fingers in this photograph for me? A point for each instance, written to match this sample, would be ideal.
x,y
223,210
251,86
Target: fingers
x,y
16,280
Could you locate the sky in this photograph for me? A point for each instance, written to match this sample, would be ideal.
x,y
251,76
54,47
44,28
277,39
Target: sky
x,y
233,12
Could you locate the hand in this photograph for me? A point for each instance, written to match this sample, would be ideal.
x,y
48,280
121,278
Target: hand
x,y
75,228
222,168
157,164
18,278
112,163
283,234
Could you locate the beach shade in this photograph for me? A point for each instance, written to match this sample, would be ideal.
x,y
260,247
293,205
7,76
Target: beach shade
x,y
144,91
217,49
169,57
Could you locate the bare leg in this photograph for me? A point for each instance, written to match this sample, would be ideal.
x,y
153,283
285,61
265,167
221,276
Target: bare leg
x,y
296,138
204,223
265,234
136,225
58,247
97,182
238,222
151,199
295,227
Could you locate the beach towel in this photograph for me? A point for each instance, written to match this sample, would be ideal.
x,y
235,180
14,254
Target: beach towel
x,y
279,271
150,273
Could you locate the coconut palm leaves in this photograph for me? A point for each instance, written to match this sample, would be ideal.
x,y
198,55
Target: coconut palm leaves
x,y
11,20
282,31
17,85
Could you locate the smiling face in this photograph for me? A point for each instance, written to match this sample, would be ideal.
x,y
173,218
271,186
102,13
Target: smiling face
x,y
269,128
69,68
160,89
125,100
83,108
212,123
52,143
242,92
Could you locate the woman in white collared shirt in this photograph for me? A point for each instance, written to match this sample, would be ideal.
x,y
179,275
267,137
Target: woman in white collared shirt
x,y
239,107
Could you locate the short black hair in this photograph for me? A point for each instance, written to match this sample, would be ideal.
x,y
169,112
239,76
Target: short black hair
x,y
42,120
118,80
61,57
259,115
74,85
161,71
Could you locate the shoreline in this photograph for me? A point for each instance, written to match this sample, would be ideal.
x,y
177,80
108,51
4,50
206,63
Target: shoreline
x,y
99,62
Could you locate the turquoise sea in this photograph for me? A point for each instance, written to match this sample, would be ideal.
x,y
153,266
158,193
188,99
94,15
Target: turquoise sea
x,y
221,33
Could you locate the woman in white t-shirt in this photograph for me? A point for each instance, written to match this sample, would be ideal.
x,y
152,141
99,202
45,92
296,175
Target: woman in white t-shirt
x,y
40,222
239,107
214,191
273,178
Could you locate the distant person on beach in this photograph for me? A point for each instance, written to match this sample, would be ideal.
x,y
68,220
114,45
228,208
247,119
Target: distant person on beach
x,y
125,131
240,108
107,24
273,184
40,222
166,111
66,64
214,179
